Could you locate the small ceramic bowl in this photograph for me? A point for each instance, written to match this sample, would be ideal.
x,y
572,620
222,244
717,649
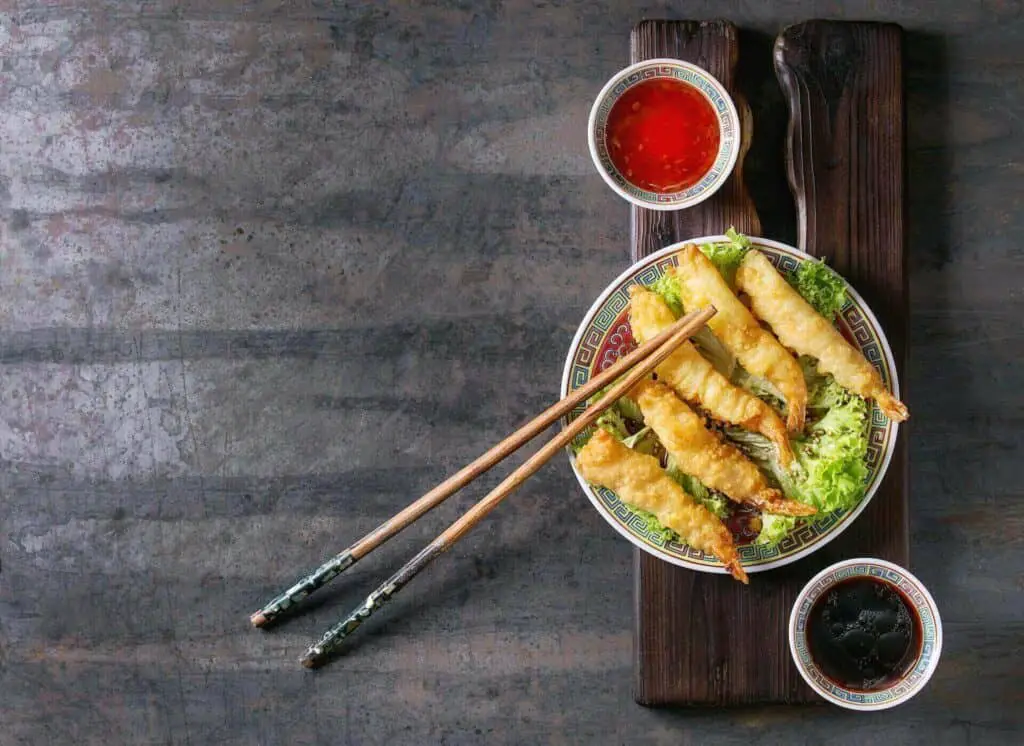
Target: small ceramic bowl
x,y
725,112
917,671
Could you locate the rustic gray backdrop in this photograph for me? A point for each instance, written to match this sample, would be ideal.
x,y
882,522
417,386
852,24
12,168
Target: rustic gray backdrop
x,y
269,270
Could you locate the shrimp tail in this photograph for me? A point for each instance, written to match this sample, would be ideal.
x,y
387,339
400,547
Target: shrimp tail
x,y
892,407
736,570
771,427
792,507
796,413
773,501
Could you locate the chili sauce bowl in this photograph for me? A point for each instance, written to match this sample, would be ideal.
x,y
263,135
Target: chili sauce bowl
x,y
664,134
865,634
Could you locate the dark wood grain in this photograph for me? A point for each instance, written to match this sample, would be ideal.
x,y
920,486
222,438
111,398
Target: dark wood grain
x,y
689,645
702,640
714,46
845,161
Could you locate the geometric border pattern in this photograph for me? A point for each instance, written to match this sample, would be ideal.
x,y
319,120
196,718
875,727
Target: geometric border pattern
x,y
728,129
609,320
901,689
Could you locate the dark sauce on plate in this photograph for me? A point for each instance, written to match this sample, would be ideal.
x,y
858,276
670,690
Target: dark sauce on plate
x,y
744,522
864,634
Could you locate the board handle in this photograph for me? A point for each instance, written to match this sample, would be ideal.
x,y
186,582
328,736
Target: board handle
x,y
843,85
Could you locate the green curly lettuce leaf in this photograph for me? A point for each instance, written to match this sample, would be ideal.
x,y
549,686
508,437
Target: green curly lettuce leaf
x,y
612,421
625,405
820,286
667,286
774,528
643,441
829,470
715,502
833,453
716,353
738,239
759,387
727,255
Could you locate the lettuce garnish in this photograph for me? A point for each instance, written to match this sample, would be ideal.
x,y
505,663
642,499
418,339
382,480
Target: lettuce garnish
x,y
821,287
716,502
774,528
667,286
829,469
727,255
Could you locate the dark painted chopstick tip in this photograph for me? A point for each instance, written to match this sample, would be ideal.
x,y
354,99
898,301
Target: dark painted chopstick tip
x,y
337,564
333,638
303,587
330,642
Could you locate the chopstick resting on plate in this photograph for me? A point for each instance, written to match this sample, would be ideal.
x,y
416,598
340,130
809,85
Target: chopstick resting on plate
x,y
640,363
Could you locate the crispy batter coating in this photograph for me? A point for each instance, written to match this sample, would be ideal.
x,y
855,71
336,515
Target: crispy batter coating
x,y
803,330
755,348
697,381
639,480
705,455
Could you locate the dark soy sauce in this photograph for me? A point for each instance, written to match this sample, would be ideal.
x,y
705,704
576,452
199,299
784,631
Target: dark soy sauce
x,y
863,634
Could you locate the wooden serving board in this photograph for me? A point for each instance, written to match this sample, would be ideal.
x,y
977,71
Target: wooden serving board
x,y
705,639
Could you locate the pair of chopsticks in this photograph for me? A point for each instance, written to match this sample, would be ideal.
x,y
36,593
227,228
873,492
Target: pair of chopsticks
x,y
639,363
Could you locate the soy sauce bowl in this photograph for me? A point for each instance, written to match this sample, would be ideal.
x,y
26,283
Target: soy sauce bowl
x,y
725,117
826,593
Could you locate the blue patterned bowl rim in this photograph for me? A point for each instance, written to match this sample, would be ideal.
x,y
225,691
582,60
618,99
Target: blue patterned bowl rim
x,y
710,88
931,624
807,538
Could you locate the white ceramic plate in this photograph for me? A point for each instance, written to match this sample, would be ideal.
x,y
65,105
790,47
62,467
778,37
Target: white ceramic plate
x,y
604,335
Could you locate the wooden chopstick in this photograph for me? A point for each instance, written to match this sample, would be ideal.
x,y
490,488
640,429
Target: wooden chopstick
x,y
333,638
340,562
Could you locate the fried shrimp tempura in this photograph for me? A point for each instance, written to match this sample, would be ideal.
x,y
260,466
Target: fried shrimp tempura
x,y
704,455
639,480
755,348
803,330
697,381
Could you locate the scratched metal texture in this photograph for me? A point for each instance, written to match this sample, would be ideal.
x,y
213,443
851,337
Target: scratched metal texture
x,y
269,270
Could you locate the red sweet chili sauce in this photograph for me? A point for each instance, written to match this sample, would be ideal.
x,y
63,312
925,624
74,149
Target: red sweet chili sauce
x,y
662,135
